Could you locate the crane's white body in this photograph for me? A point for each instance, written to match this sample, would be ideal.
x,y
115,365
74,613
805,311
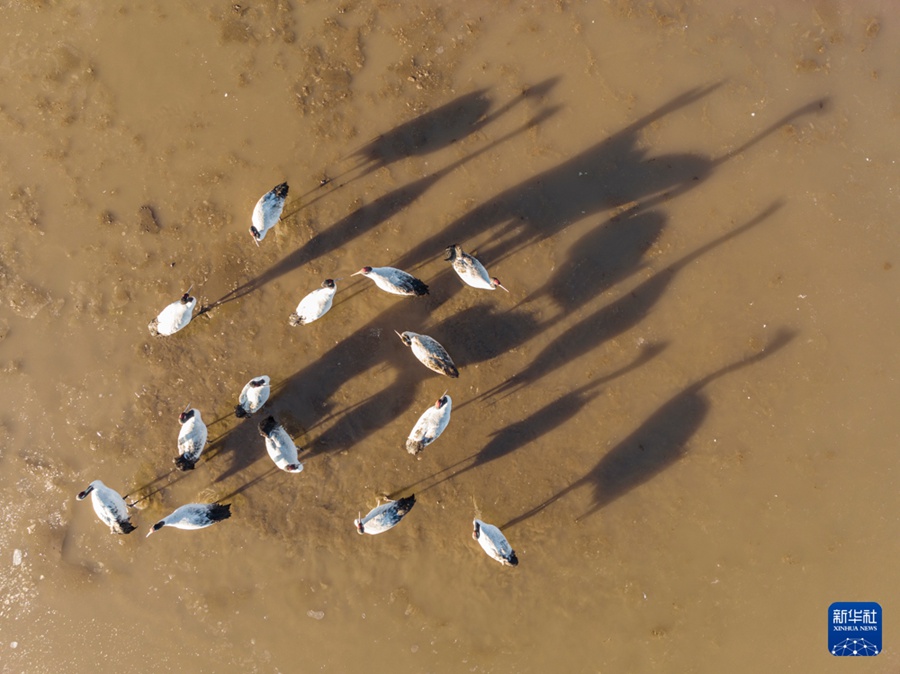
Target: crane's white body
x,y
471,271
430,425
280,446
174,317
191,438
194,516
109,506
315,305
430,353
394,281
386,516
267,211
254,395
494,543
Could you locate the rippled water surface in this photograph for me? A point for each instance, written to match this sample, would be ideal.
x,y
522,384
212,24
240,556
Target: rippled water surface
x,y
682,415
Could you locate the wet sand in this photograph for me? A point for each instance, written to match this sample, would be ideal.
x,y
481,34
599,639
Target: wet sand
x,y
681,415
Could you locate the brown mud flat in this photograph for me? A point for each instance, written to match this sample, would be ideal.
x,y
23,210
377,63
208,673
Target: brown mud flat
x,y
681,415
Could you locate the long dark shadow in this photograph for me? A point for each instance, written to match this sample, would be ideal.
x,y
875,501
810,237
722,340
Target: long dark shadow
x,y
441,127
374,413
602,258
149,484
427,133
611,174
545,420
647,353
157,489
614,318
363,219
243,447
247,485
518,434
657,444
816,106
482,331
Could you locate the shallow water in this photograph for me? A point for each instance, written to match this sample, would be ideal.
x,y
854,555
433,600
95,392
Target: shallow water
x,y
682,415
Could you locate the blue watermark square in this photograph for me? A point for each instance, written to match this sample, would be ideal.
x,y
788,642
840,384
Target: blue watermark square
x,y
854,628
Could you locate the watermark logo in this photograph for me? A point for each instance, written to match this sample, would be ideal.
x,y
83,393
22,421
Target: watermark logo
x,y
854,628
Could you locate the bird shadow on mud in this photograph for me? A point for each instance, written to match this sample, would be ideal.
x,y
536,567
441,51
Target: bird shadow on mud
x,y
612,172
441,127
657,444
615,173
482,332
476,334
369,349
369,216
545,420
605,256
274,470
425,134
372,414
614,318
241,446
153,487
213,449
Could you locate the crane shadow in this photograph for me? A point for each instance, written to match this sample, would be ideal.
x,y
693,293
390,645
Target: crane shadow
x,y
657,444
374,413
603,257
366,218
474,335
612,173
440,127
364,351
241,448
613,318
274,470
543,421
482,332
152,487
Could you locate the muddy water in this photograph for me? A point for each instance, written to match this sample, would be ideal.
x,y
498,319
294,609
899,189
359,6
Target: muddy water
x,y
682,415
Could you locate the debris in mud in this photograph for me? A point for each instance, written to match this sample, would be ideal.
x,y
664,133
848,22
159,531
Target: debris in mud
x,y
264,21
107,218
22,297
208,216
148,220
10,367
25,209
